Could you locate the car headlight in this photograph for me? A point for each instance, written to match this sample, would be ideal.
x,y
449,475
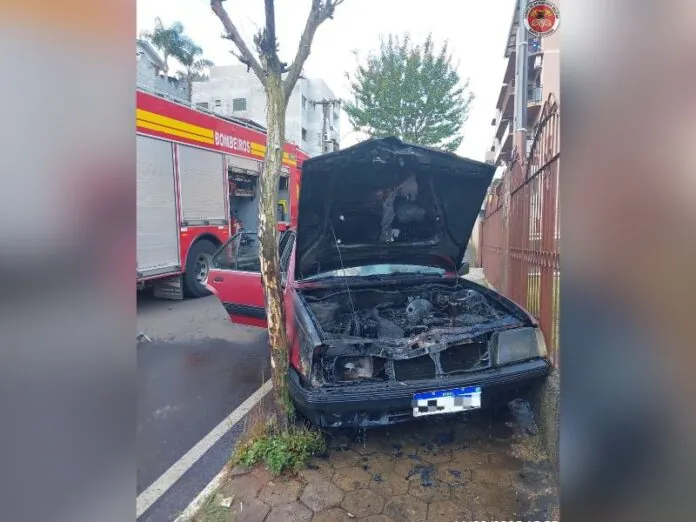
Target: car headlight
x,y
357,368
519,345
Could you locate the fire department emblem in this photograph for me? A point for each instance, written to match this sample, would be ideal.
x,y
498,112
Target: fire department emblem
x,y
541,18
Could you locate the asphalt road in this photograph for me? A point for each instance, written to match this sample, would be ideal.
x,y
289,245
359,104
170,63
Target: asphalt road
x,y
194,371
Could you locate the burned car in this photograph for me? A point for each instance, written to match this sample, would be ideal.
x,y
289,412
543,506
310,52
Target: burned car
x,y
382,325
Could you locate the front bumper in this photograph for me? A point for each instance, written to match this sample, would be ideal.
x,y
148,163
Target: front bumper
x,y
380,404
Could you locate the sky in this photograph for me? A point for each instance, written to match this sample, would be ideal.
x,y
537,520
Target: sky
x,y
476,32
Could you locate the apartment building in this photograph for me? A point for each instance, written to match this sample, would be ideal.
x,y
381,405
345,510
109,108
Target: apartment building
x,y
543,78
150,72
313,114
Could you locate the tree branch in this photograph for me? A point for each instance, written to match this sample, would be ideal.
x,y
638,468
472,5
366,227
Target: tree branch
x,y
320,11
266,42
245,55
270,23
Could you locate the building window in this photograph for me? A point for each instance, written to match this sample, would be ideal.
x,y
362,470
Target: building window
x,y
217,103
304,103
304,134
203,105
238,104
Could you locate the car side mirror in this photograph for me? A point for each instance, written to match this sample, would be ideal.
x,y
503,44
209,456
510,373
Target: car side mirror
x,y
464,269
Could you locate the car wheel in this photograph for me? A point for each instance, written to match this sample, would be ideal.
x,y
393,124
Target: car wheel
x,y
198,264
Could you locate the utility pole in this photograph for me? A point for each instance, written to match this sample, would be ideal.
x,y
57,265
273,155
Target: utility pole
x,y
521,67
325,106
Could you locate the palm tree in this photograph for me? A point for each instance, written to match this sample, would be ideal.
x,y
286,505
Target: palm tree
x,y
168,40
189,55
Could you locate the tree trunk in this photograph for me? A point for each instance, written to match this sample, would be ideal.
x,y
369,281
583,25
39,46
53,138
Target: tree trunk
x,y
268,239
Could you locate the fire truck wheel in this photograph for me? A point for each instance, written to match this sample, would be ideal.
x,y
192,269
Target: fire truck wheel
x,y
197,267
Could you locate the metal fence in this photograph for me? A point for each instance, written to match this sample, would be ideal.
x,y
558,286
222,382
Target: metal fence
x,y
520,233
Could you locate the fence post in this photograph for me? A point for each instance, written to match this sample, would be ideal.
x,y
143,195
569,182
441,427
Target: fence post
x,y
479,250
505,233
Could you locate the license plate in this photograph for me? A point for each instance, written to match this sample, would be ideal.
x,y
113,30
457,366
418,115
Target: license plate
x,y
446,401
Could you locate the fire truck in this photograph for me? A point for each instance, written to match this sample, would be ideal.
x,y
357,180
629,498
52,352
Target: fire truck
x,y
197,185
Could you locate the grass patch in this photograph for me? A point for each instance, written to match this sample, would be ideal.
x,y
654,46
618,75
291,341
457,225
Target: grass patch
x,y
212,511
279,450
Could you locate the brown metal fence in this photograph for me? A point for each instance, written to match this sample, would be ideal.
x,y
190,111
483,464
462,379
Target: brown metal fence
x,y
520,231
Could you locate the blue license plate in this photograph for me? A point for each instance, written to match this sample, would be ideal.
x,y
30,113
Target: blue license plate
x,y
446,401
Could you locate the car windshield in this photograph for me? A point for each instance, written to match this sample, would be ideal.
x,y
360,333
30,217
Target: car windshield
x,y
386,269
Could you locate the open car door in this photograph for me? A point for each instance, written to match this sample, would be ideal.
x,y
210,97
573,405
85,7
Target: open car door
x,y
235,276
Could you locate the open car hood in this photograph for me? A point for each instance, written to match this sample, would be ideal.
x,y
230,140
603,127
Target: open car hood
x,y
383,201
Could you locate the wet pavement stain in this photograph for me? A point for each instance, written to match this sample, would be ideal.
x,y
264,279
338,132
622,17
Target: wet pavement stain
x,y
185,389
523,417
443,439
473,466
426,477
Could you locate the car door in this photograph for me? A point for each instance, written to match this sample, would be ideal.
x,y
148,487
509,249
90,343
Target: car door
x,y
235,278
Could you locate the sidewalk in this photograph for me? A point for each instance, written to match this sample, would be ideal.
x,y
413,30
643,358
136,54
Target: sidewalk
x,y
442,469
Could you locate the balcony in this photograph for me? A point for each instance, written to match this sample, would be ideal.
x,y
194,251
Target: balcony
x,y
508,101
535,101
502,125
505,109
504,145
534,96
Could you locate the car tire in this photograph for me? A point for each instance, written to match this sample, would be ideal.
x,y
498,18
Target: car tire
x,y
200,253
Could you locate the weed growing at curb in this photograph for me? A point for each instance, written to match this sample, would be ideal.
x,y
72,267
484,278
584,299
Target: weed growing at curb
x,y
211,511
279,450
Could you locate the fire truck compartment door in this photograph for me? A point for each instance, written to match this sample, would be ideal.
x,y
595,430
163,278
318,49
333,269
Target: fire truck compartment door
x,y
158,230
203,179
244,165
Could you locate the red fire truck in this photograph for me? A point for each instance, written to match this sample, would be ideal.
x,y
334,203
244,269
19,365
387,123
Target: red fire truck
x,y
197,175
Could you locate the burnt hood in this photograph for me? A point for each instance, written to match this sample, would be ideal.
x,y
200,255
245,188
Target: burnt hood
x,y
384,201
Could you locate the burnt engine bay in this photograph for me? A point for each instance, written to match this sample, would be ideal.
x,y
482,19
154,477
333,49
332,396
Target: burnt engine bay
x,y
401,334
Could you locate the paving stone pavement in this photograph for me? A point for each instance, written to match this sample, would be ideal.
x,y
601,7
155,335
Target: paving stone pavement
x,y
443,469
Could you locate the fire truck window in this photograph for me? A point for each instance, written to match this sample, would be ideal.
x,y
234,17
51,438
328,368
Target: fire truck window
x,y
283,183
248,253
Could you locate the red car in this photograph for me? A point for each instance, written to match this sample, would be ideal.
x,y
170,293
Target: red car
x,y
382,326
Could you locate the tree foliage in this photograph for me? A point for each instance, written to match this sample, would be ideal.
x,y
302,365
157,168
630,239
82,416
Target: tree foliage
x,y
412,91
169,40
172,42
190,56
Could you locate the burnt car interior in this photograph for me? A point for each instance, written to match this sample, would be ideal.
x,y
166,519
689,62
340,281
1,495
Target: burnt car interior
x,y
384,205
387,200
397,213
405,333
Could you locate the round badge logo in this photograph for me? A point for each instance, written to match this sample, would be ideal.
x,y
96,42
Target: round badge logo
x,y
541,18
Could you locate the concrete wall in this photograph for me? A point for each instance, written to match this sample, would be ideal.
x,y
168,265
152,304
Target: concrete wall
x,y
475,237
551,69
228,82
